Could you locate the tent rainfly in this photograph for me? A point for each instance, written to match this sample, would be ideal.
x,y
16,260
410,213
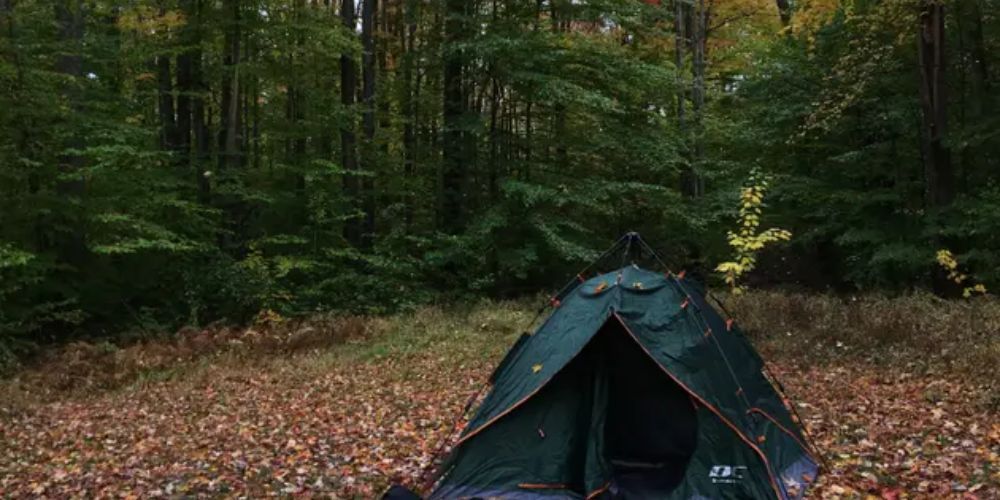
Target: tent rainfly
x,y
634,387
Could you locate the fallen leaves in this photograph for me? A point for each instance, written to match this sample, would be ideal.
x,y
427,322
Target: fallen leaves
x,y
345,433
348,428
884,439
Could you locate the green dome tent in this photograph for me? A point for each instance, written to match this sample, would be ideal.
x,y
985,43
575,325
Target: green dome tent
x,y
634,387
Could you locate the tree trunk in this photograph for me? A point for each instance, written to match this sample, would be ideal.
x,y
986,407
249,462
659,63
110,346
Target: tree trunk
x,y
368,22
785,11
71,185
973,53
939,177
348,141
199,119
455,169
692,184
493,187
408,103
559,110
229,139
679,44
295,114
165,92
185,88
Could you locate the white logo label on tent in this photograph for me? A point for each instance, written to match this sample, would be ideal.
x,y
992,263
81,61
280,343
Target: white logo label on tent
x,y
726,474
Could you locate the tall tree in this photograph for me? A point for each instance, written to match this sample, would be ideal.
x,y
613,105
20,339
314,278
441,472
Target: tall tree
x,y
353,229
71,186
938,173
692,183
165,91
369,13
230,115
185,86
408,102
454,173
680,42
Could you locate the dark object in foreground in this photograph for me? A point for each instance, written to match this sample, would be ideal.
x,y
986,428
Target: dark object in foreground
x,y
397,492
635,387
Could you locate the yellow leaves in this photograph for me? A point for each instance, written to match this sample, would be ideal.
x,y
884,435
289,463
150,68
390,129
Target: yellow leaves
x,y
979,288
947,260
726,267
536,368
147,20
811,15
949,263
749,241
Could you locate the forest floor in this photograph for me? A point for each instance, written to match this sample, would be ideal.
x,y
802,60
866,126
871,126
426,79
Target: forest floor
x,y
340,407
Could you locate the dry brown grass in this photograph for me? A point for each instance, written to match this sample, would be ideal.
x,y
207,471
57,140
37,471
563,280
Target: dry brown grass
x,y
80,368
918,333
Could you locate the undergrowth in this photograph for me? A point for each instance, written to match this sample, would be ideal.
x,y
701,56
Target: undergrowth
x,y
915,333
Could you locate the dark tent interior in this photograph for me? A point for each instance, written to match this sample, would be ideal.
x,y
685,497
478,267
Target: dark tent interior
x,y
645,424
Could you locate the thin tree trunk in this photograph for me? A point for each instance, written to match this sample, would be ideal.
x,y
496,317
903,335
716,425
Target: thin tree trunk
x,y
784,11
939,189
71,185
229,140
199,118
692,182
409,107
185,88
369,15
295,114
969,24
559,111
529,129
455,169
679,44
348,141
165,92
494,191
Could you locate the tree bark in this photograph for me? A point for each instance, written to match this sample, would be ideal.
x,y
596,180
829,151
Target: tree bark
x,y
938,174
784,11
229,139
692,184
369,15
71,185
408,103
165,92
679,44
455,169
185,88
200,129
348,141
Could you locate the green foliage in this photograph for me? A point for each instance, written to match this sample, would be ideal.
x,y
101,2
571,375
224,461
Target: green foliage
x,y
200,164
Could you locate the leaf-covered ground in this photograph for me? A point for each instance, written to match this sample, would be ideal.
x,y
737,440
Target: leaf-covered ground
x,y
345,421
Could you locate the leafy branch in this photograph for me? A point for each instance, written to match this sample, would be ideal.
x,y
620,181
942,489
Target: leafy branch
x,y
748,241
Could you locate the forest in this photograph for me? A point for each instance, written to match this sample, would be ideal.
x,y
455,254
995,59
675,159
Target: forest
x,y
170,163
211,205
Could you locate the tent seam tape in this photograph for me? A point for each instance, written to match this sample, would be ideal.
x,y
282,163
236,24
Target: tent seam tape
x,y
785,430
598,491
521,401
767,465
